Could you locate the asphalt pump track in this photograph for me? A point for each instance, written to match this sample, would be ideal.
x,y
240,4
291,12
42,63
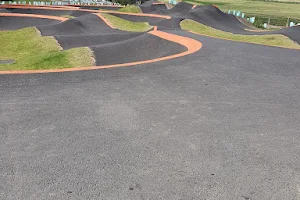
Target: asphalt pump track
x,y
217,123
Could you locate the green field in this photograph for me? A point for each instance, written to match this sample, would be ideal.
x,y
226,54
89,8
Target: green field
x,y
126,25
32,51
271,40
282,9
130,9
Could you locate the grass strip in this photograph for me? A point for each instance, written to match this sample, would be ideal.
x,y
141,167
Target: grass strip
x,y
270,40
32,52
126,25
131,9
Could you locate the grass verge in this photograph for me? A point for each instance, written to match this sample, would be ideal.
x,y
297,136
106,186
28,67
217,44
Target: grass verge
x,y
130,9
126,25
267,8
68,16
270,40
32,52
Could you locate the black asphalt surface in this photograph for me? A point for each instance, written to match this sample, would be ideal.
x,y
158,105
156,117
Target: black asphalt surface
x,y
3,10
100,7
197,127
110,46
75,13
222,123
14,23
211,16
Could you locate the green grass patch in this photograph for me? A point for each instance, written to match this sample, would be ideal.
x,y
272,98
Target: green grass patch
x,y
126,25
32,51
263,8
271,40
68,16
131,9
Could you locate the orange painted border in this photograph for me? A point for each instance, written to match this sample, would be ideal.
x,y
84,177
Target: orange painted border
x,y
243,41
105,20
127,13
50,7
158,3
33,16
91,11
114,6
191,45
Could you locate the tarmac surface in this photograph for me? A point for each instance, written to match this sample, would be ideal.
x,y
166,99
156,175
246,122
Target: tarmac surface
x,y
10,23
221,123
75,13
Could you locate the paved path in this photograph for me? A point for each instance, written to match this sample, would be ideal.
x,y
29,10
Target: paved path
x,y
197,127
222,123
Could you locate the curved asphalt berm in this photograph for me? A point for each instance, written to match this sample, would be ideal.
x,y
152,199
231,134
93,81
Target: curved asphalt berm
x,y
108,45
222,123
55,12
196,127
13,23
88,30
208,15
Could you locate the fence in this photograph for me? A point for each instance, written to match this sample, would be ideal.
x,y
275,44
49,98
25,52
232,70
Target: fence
x,y
58,3
266,22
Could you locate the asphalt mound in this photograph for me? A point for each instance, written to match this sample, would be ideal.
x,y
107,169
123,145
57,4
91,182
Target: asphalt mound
x,y
210,16
100,7
4,10
71,41
75,13
214,17
110,46
83,25
161,23
291,32
149,7
135,18
181,8
168,24
14,23
139,48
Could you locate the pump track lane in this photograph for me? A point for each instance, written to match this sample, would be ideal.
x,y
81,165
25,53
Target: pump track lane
x,y
220,123
191,45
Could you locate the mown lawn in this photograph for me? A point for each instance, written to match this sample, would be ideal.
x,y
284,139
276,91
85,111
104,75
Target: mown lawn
x,y
32,51
126,25
130,9
272,40
282,9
